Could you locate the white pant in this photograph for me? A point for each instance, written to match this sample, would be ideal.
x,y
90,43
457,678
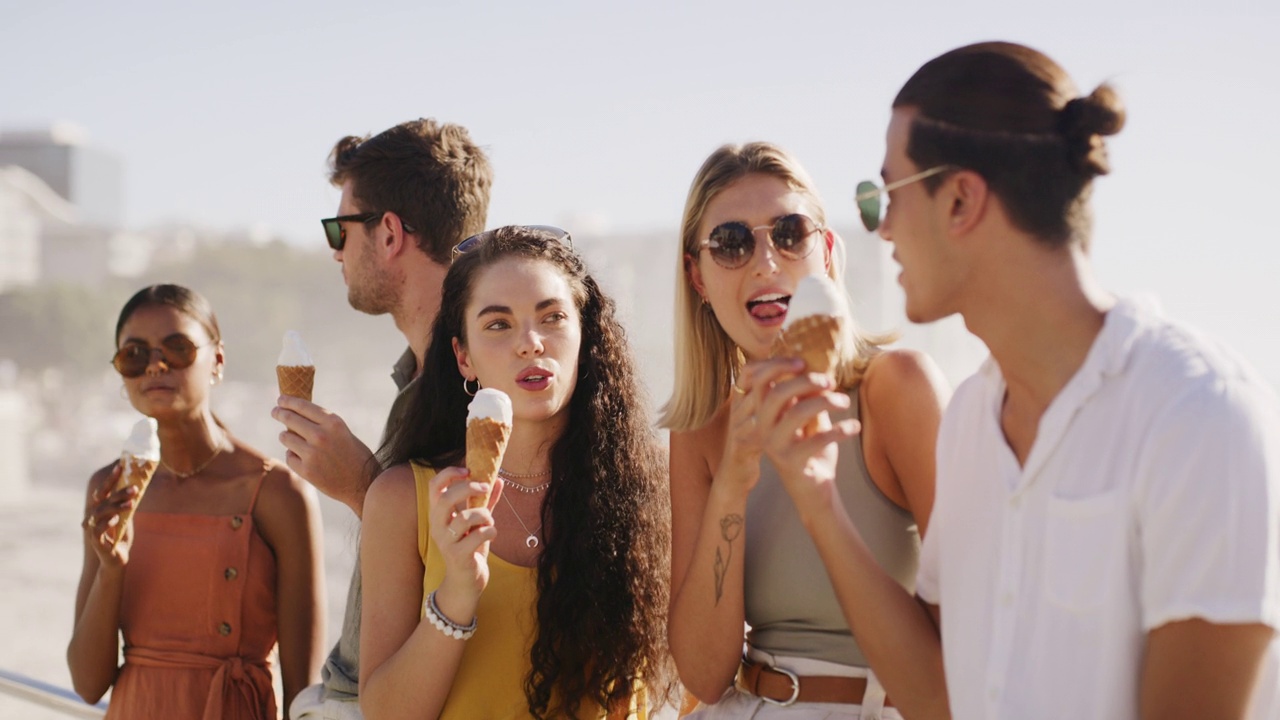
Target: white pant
x,y
738,705
311,705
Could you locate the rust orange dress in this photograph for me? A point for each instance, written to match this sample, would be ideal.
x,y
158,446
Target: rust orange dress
x,y
198,615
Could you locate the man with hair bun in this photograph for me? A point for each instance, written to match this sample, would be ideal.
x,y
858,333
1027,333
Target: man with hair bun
x,y
1105,539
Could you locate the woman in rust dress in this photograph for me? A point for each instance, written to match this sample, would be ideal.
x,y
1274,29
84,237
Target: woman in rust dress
x,y
222,558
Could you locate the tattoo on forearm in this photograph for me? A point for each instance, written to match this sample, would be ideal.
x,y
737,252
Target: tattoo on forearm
x,y
730,529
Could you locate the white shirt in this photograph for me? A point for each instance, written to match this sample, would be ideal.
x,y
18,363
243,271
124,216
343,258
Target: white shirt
x,y
1151,494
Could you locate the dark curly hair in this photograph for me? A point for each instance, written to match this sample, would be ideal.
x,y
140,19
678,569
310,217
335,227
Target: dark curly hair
x,y
604,571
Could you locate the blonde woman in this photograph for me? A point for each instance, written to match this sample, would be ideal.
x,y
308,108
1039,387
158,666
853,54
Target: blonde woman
x,y
753,227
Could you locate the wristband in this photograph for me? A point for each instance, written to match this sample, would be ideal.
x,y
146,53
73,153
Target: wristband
x,y
432,613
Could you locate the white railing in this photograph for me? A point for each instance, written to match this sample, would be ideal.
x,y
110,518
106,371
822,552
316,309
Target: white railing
x,y
48,696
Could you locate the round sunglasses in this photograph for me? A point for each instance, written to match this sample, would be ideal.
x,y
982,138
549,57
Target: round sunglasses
x,y
336,234
479,239
177,352
867,196
732,244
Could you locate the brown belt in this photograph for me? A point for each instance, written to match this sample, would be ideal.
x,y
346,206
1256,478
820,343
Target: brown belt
x,y
782,687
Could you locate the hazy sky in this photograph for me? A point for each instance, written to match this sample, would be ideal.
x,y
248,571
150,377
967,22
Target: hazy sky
x,y
597,113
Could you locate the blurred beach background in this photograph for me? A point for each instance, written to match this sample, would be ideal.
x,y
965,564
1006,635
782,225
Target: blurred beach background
x,y
144,142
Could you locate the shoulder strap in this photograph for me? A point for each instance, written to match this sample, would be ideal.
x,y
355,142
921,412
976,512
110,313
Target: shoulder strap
x,y
266,468
422,475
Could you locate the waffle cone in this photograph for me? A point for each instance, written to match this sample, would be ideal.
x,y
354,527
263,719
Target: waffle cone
x,y
296,380
137,473
486,443
816,340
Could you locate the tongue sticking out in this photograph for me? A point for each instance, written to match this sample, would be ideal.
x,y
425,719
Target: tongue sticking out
x,y
768,307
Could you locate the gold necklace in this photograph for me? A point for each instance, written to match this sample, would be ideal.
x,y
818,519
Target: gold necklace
x,y
184,475
532,540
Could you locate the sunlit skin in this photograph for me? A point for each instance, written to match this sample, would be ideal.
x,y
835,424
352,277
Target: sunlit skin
x,y
523,336
735,295
915,225
162,392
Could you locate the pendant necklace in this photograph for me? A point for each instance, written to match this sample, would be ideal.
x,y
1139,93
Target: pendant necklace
x,y
532,540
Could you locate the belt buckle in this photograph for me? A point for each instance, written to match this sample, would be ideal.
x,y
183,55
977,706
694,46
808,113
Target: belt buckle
x,y
795,688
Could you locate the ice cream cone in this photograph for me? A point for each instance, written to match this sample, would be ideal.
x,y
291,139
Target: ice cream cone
x,y
136,472
296,380
816,340
486,444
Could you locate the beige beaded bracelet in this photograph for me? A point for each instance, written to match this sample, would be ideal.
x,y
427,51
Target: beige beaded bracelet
x,y
432,612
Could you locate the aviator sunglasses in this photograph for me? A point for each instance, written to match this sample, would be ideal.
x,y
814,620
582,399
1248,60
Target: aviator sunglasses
x,y
733,243
177,352
868,195
476,241
337,235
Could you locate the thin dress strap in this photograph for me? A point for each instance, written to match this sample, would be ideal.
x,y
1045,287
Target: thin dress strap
x,y
266,468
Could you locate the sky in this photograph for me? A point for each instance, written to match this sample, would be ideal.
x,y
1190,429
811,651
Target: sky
x,y
597,114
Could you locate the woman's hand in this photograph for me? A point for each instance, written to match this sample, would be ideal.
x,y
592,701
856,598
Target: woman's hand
x,y
462,533
744,436
805,463
110,541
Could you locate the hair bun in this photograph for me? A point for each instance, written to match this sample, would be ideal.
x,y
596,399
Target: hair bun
x,y
1084,120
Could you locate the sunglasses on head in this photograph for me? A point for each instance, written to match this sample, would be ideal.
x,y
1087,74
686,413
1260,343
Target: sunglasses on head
x,y
176,353
477,240
732,244
337,235
868,195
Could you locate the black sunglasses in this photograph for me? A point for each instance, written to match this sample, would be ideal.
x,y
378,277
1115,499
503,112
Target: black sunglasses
x,y
733,243
177,352
337,235
476,241
867,195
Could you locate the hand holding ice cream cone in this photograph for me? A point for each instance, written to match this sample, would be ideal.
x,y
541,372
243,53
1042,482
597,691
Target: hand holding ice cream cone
x,y
295,371
812,330
139,459
488,429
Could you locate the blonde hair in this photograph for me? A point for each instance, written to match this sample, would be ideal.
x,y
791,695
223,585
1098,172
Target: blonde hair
x,y
707,359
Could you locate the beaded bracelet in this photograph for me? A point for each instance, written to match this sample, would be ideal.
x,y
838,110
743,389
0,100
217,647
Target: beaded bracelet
x,y
432,612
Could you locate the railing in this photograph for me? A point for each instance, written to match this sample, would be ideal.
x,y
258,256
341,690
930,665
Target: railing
x,y
48,696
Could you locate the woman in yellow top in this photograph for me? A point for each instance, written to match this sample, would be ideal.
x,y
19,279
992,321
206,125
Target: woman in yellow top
x,y
550,601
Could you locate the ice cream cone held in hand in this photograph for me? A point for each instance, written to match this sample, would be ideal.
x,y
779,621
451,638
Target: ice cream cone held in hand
x,y
488,428
139,459
811,332
295,371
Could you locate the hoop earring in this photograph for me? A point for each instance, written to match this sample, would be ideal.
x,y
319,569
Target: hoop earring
x,y
469,391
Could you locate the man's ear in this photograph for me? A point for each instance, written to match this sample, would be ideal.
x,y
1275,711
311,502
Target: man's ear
x,y
968,197
395,240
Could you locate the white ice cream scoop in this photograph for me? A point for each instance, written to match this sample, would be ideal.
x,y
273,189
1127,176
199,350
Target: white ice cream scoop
x,y
814,295
143,441
294,353
490,403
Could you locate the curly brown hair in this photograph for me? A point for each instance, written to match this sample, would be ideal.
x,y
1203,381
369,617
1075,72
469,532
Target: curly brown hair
x,y
604,572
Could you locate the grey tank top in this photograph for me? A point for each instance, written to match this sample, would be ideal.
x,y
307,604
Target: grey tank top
x,y
790,604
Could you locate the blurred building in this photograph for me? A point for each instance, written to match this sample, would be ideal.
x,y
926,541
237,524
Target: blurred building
x,y
89,178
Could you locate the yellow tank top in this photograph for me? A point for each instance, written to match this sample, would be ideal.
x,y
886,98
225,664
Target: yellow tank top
x,y
490,678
